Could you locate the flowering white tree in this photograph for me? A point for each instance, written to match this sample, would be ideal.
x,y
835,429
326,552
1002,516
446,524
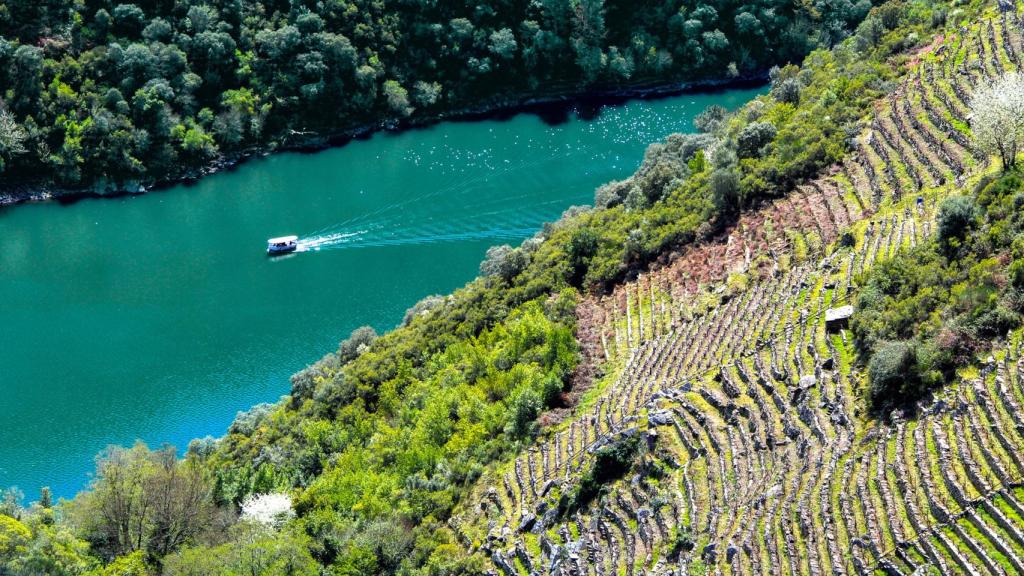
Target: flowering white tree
x,y
268,509
997,117
12,137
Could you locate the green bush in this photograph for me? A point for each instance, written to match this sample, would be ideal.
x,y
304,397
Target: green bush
x,y
957,216
894,373
610,463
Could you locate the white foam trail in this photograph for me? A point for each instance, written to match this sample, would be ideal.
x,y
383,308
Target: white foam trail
x,y
315,243
493,234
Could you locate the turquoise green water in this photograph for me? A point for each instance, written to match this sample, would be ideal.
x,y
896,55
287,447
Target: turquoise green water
x,y
158,317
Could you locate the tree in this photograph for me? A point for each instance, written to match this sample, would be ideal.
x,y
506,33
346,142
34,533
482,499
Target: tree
x,y
45,497
503,43
894,374
269,509
587,37
128,20
38,546
179,495
620,64
869,32
253,549
504,261
13,538
753,138
426,93
525,408
997,118
397,97
582,247
358,341
710,119
142,500
26,69
725,180
725,190
12,138
246,422
957,215
10,502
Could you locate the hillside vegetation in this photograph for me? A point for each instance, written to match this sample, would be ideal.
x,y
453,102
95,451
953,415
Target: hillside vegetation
x,y
649,386
102,94
768,441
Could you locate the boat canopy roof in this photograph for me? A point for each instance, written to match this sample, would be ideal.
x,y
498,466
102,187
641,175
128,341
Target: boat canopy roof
x,y
282,240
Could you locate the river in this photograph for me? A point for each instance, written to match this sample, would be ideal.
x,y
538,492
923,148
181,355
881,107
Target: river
x,y
158,317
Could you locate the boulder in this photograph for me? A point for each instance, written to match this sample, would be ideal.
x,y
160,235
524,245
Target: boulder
x,y
837,319
527,522
660,418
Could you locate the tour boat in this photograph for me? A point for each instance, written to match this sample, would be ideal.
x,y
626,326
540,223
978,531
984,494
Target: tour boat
x,y
282,245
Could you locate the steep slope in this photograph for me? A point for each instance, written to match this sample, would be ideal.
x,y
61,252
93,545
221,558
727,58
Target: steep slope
x,y
760,458
712,421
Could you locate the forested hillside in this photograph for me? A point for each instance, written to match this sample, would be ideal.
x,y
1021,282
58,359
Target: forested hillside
x,y
651,385
98,93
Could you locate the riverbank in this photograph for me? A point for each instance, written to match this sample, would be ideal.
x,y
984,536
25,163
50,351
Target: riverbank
x,y
170,318
553,109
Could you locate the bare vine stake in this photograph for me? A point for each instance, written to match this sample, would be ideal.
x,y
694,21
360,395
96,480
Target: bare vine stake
x,y
640,311
654,316
629,322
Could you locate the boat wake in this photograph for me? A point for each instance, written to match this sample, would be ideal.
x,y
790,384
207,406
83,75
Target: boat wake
x,y
413,236
315,243
494,216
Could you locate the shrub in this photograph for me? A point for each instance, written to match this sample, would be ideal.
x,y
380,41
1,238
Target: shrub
x,y
1016,273
611,194
753,138
996,322
552,390
504,261
610,463
422,307
710,119
248,421
525,407
894,374
357,342
957,215
786,86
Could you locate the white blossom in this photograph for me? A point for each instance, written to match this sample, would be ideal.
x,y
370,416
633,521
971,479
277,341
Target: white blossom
x,y
269,509
12,137
997,117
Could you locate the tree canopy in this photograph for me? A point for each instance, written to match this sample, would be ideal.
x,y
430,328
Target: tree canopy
x,y
997,118
107,94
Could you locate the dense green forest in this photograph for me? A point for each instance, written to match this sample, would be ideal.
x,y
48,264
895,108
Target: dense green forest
x,y
380,440
97,93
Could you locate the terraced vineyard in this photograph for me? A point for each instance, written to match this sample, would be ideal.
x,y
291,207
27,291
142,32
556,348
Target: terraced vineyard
x,y
748,400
